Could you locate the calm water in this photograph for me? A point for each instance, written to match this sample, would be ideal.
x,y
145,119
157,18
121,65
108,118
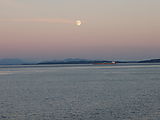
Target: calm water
x,y
80,92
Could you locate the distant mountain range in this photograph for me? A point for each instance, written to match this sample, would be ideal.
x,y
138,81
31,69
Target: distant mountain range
x,y
69,61
85,61
12,61
150,61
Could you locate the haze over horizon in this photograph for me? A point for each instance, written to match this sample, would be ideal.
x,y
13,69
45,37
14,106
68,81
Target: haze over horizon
x,y
114,30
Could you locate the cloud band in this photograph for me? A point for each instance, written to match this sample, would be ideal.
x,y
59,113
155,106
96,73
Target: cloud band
x,y
42,20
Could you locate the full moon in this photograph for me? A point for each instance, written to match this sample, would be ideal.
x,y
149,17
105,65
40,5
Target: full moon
x,y
78,22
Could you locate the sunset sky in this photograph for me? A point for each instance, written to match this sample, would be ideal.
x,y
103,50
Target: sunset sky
x,y
110,29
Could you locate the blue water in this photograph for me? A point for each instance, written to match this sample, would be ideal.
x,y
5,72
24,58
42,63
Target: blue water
x,y
80,92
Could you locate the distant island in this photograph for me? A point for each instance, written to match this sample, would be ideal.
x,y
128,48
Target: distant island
x,y
69,61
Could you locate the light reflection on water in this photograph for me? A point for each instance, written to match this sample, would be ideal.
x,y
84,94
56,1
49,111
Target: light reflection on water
x,y
6,72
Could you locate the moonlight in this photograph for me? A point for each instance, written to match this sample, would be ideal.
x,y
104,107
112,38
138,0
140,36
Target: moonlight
x,y
78,22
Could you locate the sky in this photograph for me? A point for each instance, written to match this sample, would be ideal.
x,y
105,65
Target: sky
x,y
110,29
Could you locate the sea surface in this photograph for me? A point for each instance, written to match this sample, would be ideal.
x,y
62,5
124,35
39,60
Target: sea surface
x,y
80,92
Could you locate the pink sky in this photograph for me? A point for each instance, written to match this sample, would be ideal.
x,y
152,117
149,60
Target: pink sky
x,y
110,30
